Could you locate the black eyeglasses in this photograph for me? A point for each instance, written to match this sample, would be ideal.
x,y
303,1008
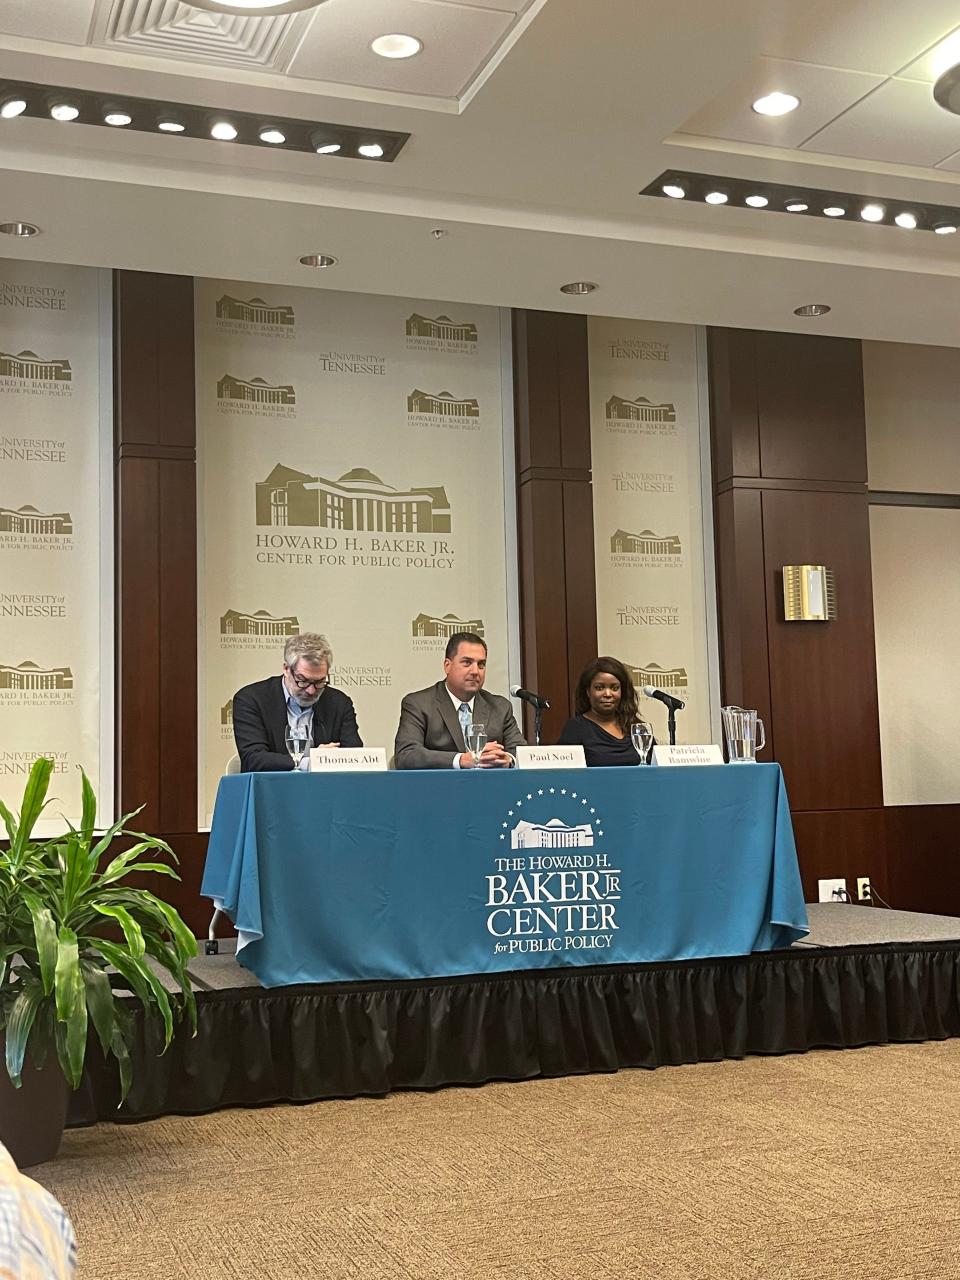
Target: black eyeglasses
x,y
309,684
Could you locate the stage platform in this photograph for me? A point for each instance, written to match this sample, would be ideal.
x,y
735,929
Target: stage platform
x,y
863,975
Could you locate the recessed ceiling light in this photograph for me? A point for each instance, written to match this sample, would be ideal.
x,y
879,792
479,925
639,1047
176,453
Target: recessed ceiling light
x,y
906,220
776,104
273,136
945,228
716,197
757,202
396,46
812,309
64,111
873,213
372,150
796,206
834,211
256,8
223,131
117,118
328,149
674,191
579,287
13,107
318,260
19,229
171,126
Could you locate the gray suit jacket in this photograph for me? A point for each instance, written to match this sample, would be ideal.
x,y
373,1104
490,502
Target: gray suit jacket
x,y
429,734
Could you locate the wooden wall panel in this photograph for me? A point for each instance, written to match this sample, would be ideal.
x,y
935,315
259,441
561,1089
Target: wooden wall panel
x,y
823,676
810,407
155,477
555,508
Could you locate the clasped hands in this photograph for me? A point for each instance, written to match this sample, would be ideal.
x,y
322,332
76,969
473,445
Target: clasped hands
x,y
493,756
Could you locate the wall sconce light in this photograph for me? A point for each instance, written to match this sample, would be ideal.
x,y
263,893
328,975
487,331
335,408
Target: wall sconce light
x,y
808,593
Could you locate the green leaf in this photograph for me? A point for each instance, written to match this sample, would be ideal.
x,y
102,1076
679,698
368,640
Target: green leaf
x,y
34,794
71,1007
9,821
19,1022
142,981
183,939
99,997
131,930
76,869
174,964
45,933
107,838
121,864
88,814
121,1051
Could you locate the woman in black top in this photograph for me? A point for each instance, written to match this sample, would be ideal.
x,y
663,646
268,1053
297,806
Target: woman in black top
x,y
606,707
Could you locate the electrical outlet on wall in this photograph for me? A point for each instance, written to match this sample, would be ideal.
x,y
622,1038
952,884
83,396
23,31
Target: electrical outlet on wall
x,y
832,890
864,892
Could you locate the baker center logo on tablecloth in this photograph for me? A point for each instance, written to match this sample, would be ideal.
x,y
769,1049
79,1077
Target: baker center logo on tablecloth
x,y
29,374
647,550
259,630
640,416
440,333
254,315
552,888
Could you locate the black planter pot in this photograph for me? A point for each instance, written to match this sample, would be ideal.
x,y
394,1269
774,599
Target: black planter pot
x,y
32,1117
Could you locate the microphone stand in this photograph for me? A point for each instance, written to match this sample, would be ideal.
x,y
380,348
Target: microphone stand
x,y
537,724
672,725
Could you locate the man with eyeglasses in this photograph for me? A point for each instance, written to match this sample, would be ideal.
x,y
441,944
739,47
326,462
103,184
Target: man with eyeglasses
x,y
300,701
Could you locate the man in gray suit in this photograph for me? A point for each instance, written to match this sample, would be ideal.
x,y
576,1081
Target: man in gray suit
x,y
433,721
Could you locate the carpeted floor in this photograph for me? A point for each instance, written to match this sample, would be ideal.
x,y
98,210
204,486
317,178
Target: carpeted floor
x,y
830,1166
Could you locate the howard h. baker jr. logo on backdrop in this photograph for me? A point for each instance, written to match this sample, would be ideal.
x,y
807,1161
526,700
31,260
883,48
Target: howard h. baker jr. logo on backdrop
x,y
357,500
662,677
646,549
443,409
369,522
29,374
32,685
552,888
239,630
254,315
27,529
440,333
641,415
256,396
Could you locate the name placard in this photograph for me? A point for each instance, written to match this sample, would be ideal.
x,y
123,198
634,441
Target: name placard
x,y
550,758
706,753
348,759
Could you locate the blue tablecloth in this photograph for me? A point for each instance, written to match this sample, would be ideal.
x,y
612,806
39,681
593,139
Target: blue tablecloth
x,y
418,874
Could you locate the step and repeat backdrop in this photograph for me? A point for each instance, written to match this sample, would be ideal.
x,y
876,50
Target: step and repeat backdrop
x,y
653,582
55,596
350,472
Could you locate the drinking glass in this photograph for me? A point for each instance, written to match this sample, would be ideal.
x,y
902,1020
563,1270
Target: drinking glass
x,y
298,743
475,739
642,736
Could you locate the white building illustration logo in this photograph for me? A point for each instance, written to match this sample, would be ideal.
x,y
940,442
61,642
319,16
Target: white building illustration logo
x,y
554,834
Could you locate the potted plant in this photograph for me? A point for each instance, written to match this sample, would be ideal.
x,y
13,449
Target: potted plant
x,y
60,969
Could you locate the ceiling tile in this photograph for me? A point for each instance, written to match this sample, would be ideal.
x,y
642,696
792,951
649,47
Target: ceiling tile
x,y
861,35
898,124
944,54
457,41
67,21
823,92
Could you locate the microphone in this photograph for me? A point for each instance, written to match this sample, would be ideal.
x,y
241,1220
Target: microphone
x,y
526,695
671,703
